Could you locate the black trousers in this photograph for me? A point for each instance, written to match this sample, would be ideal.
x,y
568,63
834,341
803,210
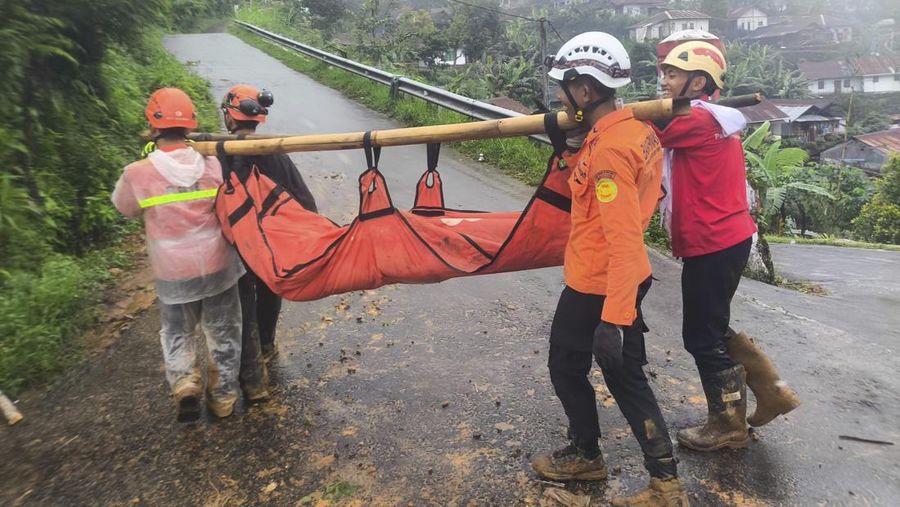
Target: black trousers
x,y
708,283
571,339
259,309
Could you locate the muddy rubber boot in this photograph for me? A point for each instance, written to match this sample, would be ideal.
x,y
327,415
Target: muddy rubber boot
x,y
222,406
570,464
255,385
660,493
773,396
269,351
187,398
726,424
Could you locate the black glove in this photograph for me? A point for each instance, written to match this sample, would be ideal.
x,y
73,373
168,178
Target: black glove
x,y
608,346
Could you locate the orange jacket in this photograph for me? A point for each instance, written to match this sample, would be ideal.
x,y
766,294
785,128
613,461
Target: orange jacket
x,y
615,189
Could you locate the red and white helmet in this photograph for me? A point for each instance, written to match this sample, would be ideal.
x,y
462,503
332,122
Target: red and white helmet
x,y
595,54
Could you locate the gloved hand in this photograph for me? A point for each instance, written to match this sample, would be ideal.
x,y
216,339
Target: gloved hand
x,y
608,346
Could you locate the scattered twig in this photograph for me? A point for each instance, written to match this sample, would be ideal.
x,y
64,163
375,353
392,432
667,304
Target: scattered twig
x,y
866,440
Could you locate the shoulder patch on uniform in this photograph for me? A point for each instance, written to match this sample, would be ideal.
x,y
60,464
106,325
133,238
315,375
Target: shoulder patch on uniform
x,y
610,175
607,190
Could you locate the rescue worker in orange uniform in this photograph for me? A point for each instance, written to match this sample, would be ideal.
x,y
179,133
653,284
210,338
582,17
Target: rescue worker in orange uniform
x,y
244,108
709,221
615,187
195,269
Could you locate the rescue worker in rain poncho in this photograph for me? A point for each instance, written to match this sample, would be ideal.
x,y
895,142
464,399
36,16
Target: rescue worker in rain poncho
x,y
195,269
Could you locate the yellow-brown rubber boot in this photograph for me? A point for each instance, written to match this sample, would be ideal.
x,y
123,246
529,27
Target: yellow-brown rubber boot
x,y
660,493
726,424
773,396
187,393
221,406
570,464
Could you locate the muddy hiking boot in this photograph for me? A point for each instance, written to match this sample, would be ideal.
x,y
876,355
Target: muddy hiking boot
x,y
660,493
221,406
187,399
726,424
570,464
269,351
773,396
254,379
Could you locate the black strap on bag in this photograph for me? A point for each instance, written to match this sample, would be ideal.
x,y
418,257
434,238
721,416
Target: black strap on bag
x,y
434,152
373,153
226,162
556,134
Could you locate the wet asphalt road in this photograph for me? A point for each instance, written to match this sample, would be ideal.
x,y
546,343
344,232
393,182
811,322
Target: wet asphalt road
x,y
362,378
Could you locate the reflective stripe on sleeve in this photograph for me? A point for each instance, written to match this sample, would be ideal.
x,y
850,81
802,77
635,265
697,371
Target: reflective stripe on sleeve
x,y
179,197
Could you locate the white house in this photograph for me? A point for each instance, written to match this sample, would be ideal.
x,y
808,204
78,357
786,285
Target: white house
x,y
639,8
748,18
663,24
873,74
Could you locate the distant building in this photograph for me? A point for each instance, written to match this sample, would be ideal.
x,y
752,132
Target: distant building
x,y
663,24
639,8
872,74
868,151
763,112
807,120
748,19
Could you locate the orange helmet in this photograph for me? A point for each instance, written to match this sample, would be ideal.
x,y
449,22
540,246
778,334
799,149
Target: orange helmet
x,y
247,103
170,108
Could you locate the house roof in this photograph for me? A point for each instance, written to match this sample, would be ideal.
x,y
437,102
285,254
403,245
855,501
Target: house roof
x,y
884,141
740,11
868,66
825,70
819,103
875,65
670,15
619,3
764,111
510,103
781,29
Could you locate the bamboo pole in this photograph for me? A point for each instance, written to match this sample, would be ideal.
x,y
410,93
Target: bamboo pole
x,y
507,127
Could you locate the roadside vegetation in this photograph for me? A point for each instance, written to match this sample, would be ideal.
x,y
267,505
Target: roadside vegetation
x,y
77,74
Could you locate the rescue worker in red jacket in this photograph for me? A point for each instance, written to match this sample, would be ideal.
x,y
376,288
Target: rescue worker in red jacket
x,y
615,187
711,230
195,269
244,108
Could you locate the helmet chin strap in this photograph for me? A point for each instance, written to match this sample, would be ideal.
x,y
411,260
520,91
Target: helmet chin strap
x,y
581,110
691,75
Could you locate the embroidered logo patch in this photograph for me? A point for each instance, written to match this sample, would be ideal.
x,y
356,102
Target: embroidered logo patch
x,y
606,190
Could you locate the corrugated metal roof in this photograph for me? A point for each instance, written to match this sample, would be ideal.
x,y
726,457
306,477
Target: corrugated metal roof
x,y
814,117
794,112
764,111
820,103
884,141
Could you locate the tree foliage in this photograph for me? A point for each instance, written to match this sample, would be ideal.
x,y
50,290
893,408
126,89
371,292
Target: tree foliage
x,y
879,220
67,127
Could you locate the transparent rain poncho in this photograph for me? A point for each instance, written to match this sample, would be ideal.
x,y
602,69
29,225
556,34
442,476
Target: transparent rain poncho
x,y
175,191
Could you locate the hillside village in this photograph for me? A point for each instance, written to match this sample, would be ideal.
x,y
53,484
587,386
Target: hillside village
x,y
807,57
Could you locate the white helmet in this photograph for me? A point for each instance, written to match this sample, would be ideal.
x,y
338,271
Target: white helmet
x,y
596,54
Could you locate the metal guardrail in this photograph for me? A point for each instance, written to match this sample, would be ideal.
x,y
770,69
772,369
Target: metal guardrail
x,y
432,94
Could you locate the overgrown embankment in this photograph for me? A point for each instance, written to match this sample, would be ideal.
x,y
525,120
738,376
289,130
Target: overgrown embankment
x,y
77,75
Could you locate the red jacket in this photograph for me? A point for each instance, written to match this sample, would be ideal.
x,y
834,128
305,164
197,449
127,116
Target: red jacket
x,y
709,194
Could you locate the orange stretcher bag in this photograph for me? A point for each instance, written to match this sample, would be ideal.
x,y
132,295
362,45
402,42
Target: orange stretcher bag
x,y
304,256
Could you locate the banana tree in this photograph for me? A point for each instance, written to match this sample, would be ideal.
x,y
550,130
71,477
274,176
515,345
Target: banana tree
x,y
772,173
